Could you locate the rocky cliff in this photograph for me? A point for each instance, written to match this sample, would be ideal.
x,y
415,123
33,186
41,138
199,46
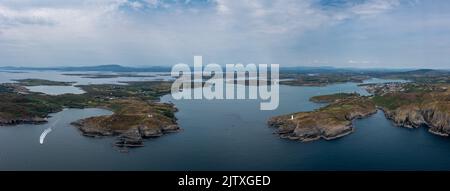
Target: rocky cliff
x,y
413,105
134,121
330,122
435,115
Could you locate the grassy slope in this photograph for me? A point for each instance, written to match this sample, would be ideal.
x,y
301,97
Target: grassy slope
x,y
332,97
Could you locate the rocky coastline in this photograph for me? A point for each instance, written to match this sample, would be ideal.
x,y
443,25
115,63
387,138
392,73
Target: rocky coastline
x,y
414,105
137,112
128,137
17,121
409,105
135,121
330,122
438,121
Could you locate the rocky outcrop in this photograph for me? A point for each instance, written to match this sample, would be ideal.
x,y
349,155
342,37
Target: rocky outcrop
x,y
15,121
127,136
134,121
134,137
434,115
305,128
91,129
130,138
330,122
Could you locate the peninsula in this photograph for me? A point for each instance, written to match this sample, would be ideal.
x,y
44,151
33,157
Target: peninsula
x,y
413,105
330,122
410,105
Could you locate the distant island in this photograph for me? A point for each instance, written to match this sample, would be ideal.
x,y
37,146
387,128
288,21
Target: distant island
x,y
100,76
41,82
307,78
100,68
322,79
120,68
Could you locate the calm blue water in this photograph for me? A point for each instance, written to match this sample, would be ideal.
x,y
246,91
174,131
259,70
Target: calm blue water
x,y
227,135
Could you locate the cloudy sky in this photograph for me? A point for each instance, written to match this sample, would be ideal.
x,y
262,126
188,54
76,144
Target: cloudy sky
x,y
358,33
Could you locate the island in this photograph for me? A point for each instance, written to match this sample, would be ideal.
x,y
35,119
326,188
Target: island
x,y
137,112
100,76
42,82
132,120
321,79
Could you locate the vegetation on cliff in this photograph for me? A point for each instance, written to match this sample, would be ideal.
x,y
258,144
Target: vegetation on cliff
x,y
330,122
406,104
332,97
133,119
413,105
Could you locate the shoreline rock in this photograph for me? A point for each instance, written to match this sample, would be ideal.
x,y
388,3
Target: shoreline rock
x,y
413,116
133,137
18,121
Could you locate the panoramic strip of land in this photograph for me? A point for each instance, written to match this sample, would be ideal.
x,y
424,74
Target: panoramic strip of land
x,y
422,99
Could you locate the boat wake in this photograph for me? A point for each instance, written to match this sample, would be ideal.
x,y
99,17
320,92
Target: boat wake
x,y
46,132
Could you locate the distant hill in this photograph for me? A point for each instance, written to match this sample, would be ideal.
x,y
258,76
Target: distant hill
x,y
119,68
428,72
297,69
330,69
100,68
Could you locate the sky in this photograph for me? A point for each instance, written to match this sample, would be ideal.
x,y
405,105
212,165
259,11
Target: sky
x,y
358,33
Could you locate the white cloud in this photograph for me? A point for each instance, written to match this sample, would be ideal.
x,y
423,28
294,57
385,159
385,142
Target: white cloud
x,y
247,16
373,7
126,32
275,17
365,62
10,17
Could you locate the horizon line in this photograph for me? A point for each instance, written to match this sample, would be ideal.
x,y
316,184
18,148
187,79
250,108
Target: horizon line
x,y
286,67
